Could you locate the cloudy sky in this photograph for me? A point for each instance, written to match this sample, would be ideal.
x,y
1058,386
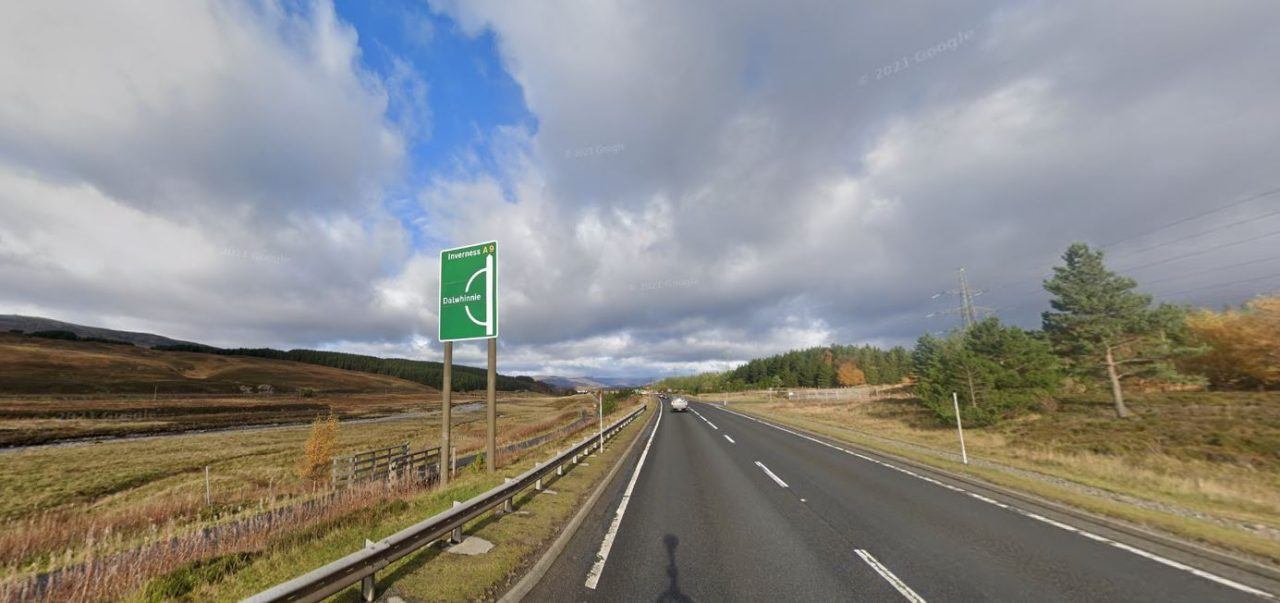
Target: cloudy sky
x,y
675,186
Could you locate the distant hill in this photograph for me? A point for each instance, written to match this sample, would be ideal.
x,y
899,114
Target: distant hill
x,y
626,381
594,382
31,324
38,365
465,378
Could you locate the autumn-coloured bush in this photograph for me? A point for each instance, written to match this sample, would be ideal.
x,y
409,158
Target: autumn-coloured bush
x,y
1242,346
318,451
848,374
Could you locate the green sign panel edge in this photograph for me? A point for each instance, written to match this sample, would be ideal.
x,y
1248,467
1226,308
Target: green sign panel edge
x,y
462,313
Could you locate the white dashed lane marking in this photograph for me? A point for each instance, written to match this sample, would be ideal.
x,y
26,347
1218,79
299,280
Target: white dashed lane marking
x,y
771,475
889,577
713,425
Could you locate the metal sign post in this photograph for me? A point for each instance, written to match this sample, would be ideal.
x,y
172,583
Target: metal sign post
x,y
446,422
491,398
469,310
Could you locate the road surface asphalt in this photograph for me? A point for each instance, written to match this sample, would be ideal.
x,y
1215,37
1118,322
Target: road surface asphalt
x,y
729,509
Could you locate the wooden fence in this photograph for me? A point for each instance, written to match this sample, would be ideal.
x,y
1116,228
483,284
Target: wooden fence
x,y
386,463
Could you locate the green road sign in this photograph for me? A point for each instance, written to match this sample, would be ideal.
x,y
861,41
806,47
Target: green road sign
x,y
469,292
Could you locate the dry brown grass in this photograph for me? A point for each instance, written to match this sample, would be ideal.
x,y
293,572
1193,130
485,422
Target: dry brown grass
x,y
101,571
91,501
43,366
29,420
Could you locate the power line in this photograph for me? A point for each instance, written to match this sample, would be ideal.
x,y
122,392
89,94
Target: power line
x,y
1176,276
1227,284
1215,269
1184,220
1200,234
1029,303
1254,197
1204,251
1266,193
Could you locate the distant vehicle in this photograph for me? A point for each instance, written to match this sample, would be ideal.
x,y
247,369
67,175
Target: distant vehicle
x,y
679,405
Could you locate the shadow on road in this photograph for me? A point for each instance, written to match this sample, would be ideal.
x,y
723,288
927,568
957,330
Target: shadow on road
x,y
673,572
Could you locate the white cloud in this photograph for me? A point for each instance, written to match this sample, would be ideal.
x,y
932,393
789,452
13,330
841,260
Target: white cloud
x,y
215,172
194,169
195,109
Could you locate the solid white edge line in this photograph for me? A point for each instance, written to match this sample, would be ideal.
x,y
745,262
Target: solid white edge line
x,y
889,577
771,475
726,436
1120,545
593,576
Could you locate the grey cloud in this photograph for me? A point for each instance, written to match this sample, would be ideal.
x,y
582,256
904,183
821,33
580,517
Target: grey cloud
x,y
196,110
784,177
211,172
795,201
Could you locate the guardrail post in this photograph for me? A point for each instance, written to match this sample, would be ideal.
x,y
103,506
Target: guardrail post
x,y
560,470
455,536
538,484
508,504
367,591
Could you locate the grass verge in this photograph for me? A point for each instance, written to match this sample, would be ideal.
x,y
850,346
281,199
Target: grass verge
x,y
94,501
431,574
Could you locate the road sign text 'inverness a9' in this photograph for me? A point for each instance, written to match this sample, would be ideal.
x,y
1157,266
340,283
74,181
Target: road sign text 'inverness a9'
x,y
469,292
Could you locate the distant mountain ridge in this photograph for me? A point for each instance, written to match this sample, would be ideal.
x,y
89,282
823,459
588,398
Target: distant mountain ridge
x,y
31,324
426,372
594,382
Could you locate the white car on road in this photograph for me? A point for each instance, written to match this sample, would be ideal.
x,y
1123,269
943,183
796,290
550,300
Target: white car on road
x,y
679,405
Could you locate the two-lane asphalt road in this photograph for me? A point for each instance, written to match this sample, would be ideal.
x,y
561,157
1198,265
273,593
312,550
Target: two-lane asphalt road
x,y
719,507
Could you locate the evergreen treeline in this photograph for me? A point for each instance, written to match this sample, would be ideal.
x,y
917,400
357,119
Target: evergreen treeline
x,y
833,366
830,366
421,371
70,336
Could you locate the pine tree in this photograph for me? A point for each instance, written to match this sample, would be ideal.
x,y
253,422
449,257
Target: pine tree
x,y
1098,321
998,371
